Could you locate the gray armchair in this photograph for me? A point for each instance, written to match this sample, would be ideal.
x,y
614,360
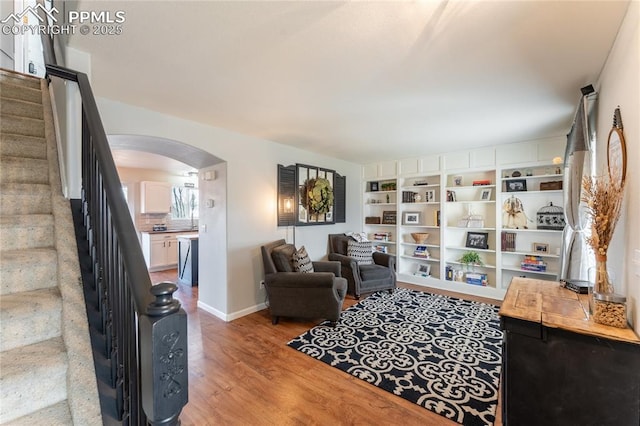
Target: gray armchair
x,y
318,294
363,278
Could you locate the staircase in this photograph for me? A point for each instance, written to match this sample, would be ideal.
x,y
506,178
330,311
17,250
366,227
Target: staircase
x,y
47,371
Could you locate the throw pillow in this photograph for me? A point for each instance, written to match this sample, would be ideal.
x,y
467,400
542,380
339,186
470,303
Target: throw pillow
x,y
362,252
301,261
283,257
358,236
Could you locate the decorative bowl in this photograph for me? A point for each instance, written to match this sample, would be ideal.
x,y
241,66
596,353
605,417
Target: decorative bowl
x,y
419,237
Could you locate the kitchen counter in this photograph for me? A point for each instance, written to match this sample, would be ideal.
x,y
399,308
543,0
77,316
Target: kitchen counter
x,y
171,231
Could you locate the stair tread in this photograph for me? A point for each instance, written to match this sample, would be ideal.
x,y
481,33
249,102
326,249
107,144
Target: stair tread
x,y
36,356
32,255
25,188
20,79
12,159
56,414
28,302
11,220
33,377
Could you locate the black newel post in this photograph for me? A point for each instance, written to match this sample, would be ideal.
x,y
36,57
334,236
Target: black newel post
x,y
163,353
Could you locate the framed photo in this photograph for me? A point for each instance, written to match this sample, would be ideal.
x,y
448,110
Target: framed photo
x,y
424,270
477,240
412,218
457,180
485,194
373,186
389,217
540,248
430,196
516,185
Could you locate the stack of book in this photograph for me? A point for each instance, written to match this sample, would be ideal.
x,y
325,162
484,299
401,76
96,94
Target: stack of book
x,y
476,279
382,236
409,196
422,252
533,264
508,241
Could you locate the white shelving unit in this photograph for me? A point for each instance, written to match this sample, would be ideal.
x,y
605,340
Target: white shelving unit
x,y
451,187
419,212
378,203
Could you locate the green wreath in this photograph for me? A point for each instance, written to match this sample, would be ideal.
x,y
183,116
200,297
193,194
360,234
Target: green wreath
x,y
317,195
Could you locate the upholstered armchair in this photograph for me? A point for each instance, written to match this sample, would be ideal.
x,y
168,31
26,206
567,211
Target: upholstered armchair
x,y
363,277
317,294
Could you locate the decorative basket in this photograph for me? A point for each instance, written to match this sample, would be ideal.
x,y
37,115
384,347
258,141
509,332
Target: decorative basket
x,y
550,217
419,237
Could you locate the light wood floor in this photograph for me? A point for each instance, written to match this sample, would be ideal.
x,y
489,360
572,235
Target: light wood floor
x,y
243,373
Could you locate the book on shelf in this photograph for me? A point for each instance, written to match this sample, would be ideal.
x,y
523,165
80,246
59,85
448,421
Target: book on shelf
x,y
533,264
409,196
436,217
476,279
481,182
382,236
508,241
421,251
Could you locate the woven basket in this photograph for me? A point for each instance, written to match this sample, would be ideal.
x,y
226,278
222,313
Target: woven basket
x,y
419,237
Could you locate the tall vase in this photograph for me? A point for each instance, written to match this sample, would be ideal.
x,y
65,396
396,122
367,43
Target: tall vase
x,y
602,280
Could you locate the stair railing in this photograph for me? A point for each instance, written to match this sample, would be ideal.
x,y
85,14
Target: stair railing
x,y
145,328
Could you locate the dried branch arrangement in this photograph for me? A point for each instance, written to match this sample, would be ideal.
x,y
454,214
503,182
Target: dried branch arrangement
x,y
604,201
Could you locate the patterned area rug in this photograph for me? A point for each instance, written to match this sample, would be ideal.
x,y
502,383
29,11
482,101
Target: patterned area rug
x,y
439,352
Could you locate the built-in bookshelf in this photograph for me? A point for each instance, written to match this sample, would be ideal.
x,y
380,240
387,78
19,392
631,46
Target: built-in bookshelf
x,y
462,202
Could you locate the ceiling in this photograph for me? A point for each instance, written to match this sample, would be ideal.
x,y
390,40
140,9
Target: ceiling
x,y
361,81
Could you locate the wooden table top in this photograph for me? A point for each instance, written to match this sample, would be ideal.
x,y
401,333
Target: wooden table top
x,y
551,305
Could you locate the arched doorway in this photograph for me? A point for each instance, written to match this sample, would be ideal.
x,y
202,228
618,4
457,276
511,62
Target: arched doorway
x,y
210,174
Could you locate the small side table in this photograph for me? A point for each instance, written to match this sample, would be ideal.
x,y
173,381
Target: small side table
x,y
561,368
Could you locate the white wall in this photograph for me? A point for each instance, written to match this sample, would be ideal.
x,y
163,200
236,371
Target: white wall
x,y
619,85
251,172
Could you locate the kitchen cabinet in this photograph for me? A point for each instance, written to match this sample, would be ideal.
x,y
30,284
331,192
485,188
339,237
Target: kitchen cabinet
x,y
155,197
160,250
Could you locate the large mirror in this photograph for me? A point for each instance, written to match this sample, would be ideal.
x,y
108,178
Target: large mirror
x,y
617,151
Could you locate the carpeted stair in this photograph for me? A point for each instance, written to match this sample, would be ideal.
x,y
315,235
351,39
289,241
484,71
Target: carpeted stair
x,y
47,374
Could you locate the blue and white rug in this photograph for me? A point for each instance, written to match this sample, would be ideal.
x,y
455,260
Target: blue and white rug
x,y
439,352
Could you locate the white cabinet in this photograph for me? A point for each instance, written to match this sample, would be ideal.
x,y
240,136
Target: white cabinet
x,y
384,169
155,197
160,250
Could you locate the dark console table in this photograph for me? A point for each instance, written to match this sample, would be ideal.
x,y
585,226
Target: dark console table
x,y
561,368
188,259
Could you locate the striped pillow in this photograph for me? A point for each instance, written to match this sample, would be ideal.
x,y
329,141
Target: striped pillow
x,y
362,252
301,261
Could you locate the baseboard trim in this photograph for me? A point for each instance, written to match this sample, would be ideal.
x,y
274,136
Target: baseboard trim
x,y
232,316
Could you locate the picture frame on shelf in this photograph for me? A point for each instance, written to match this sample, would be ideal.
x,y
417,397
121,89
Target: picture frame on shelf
x,y
457,180
430,196
412,218
477,240
423,270
485,194
516,185
373,186
389,217
540,248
